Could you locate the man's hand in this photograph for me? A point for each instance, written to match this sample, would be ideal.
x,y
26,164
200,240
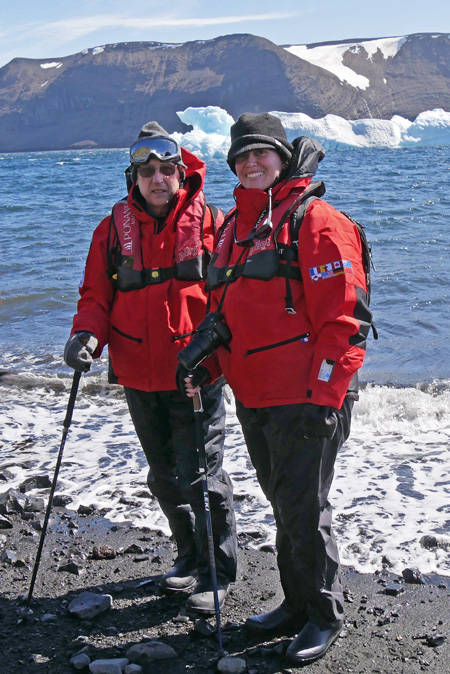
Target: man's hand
x,y
79,349
318,421
189,381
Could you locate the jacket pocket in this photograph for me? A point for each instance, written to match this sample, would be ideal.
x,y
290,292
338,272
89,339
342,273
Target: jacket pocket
x,y
300,338
124,334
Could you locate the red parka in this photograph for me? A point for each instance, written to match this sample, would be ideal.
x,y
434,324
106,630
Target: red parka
x,y
141,326
276,357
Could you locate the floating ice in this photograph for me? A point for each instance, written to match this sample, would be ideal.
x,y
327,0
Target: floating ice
x,y
209,137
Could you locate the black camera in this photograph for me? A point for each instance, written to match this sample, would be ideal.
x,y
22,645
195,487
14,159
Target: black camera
x,y
211,333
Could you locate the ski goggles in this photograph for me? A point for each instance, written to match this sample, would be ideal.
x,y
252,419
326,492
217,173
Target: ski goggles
x,y
163,148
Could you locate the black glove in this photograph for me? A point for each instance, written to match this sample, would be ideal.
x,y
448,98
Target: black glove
x,y
78,350
198,376
318,421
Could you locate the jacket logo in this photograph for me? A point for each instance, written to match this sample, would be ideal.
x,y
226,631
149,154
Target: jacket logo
x,y
330,270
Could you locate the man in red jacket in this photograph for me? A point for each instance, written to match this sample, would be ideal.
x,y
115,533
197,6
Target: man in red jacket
x,y
142,294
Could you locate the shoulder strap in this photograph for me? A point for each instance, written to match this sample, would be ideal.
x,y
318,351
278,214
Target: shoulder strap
x,y
214,212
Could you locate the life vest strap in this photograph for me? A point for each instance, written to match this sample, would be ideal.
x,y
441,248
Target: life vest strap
x,y
158,275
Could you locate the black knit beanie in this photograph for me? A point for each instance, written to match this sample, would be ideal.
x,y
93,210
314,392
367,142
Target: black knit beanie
x,y
253,131
151,129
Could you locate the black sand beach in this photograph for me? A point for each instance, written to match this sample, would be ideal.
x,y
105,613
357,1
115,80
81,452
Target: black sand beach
x,y
391,625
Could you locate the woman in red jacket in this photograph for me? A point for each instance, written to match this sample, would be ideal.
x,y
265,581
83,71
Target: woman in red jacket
x,y
298,316
142,293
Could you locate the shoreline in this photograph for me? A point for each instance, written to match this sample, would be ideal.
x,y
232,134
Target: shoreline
x,y
390,625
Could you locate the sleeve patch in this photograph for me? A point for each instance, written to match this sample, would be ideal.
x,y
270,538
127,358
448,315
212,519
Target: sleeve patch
x,y
330,270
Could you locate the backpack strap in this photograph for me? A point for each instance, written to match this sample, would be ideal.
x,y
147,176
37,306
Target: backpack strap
x,y
214,213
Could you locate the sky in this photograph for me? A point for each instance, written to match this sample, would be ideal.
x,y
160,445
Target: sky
x,y
51,29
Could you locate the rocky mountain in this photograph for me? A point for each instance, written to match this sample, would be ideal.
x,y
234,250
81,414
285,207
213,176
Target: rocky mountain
x,y
101,96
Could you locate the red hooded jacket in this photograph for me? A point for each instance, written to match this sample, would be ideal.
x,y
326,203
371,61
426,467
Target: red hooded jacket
x,y
276,357
141,326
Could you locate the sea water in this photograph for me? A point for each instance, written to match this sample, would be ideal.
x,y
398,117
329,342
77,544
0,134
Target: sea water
x,y
392,480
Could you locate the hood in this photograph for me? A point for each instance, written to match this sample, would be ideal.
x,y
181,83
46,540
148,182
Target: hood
x,y
308,152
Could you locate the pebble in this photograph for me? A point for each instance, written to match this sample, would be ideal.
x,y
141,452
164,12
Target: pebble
x,y
144,653
89,604
5,523
80,661
116,666
231,665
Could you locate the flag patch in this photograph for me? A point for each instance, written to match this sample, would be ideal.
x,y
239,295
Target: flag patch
x,y
330,270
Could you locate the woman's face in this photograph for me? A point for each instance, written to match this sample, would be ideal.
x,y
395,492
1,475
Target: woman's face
x,y
258,169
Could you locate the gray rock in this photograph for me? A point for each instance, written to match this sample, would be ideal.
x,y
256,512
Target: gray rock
x,y
72,567
231,666
35,482
115,666
132,669
89,604
144,653
432,542
413,576
49,617
204,628
10,557
5,523
80,661
12,501
62,500
34,505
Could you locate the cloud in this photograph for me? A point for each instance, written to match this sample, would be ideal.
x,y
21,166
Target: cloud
x,y
70,29
28,39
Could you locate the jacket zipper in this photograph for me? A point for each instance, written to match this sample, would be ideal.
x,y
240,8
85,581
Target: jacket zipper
x,y
124,334
304,336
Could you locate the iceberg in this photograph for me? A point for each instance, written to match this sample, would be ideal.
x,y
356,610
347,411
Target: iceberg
x,y
210,134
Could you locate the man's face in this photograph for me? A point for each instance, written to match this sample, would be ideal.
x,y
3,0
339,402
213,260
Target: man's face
x,y
158,189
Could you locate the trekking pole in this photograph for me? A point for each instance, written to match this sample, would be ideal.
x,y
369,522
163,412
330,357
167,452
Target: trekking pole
x,y
66,424
198,413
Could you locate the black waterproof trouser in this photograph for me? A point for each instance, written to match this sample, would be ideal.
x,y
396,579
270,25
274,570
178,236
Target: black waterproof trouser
x,y
295,474
165,424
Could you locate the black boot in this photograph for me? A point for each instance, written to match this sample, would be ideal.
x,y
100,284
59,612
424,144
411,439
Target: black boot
x,y
181,578
313,641
282,620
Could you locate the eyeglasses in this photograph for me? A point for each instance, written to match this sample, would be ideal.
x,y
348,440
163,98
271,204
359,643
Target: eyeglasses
x,y
161,147
258,232
149,171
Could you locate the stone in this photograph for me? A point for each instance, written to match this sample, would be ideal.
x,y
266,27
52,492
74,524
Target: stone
x,y
12,501
89,604
132,669
413,576
144,653
103,552
231,665
113,666
34,505
72,567
61,500
204,628
80,661
35,482
5,523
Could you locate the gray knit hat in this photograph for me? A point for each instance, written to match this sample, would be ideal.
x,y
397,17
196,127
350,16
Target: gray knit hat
x,y
253,131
